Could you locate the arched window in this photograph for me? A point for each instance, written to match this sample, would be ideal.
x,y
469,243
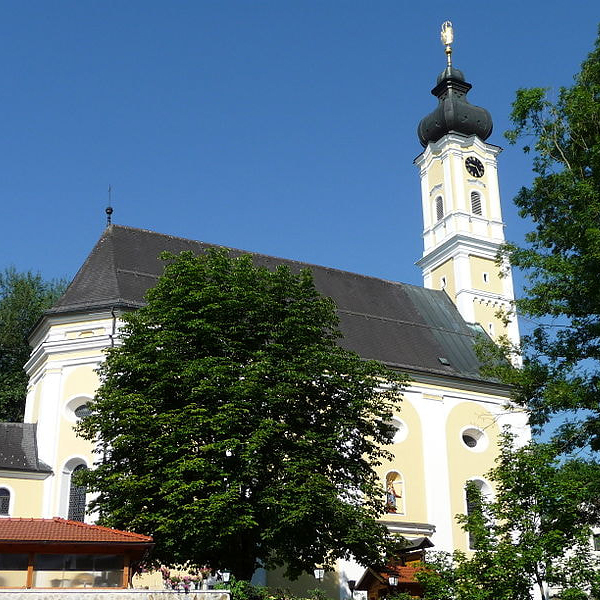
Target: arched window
x,y
476,203
4,502
76,497
439,208
476,492
394,493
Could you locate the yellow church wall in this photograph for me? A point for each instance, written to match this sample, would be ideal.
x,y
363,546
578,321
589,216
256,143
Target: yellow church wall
x,y
485,314
408,461
446,270
26,496
466,463
436,171
479,266
81,382
88,331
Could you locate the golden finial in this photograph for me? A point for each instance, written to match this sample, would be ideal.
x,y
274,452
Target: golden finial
x,y
447,36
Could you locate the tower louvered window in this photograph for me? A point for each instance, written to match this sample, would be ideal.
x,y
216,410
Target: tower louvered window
x,y
476,203
439,208
4,501
76,498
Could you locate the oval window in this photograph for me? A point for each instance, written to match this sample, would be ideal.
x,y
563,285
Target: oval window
x,y
83,410
474,439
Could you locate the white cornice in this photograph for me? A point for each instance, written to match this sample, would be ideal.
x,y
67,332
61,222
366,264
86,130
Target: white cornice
x,y
13,474
484,393
455,381
453,142
467,243
484,296
48,321
397,526
461,213
46,350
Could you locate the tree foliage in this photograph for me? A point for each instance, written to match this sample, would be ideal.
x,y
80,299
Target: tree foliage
x,y
23,299
562,255
233,427
534,533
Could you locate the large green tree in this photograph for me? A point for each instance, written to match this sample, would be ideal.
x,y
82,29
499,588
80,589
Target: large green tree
x,y
531,535
23,299
537,530
233,427
561,259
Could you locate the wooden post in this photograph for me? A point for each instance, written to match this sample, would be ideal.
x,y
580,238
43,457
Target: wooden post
x,y
29,583
126,571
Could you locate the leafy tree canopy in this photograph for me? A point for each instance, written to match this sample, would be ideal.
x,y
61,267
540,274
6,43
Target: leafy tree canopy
x,y
23,299
233,427
535,531
562,255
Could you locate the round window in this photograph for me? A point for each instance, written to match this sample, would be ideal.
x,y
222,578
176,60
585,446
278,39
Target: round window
x,y
474,439
469,440
401,430
83,410
77,408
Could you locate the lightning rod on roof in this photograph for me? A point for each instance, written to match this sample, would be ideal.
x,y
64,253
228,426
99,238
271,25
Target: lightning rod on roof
x,y
109,209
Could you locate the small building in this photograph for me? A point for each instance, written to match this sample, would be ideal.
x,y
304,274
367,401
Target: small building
x,y
58,553
399,576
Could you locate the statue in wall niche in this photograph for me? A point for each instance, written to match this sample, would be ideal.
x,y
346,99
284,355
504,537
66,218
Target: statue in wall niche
x,y
392,494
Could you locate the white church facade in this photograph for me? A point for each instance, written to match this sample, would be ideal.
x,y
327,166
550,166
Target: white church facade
x,y
451,417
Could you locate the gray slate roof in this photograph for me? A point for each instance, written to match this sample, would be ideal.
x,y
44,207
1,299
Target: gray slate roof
x,y
404,326
18,448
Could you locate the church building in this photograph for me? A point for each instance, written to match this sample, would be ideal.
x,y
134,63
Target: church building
x,y
451,416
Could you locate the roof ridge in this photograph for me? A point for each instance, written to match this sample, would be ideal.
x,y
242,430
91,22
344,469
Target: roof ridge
x,y
261,254
100,527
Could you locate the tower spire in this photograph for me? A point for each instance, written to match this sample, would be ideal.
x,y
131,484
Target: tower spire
x,y
462,216
454,112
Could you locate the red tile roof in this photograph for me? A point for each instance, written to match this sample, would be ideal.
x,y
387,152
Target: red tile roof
x,y
62,530
404,574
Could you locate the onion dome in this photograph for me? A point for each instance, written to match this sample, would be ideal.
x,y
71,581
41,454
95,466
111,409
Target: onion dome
x,y
454,112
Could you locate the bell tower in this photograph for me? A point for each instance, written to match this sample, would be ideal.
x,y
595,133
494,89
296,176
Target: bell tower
x,y
462,217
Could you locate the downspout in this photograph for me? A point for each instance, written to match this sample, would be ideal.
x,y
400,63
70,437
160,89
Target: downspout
x,y
114,327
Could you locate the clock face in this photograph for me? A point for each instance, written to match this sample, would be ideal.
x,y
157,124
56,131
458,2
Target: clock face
x,y
474,166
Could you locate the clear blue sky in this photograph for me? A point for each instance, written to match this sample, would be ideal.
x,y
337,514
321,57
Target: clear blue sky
x,y
277,126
